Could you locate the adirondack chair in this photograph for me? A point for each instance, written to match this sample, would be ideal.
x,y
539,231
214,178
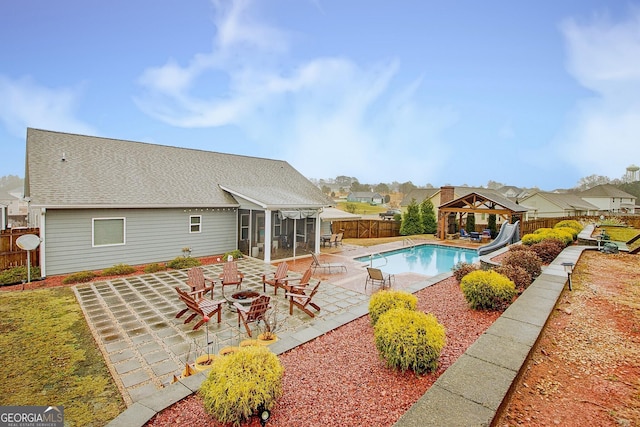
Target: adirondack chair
x,y
301,298
331,241
298,283
329,265
376,276
230,275
198,307
253,313
198,282
275,279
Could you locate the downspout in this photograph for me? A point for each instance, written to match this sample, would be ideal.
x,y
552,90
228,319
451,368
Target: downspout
x,y
43,243
316,243
267,236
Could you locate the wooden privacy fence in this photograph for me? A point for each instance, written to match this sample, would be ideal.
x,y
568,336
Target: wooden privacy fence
x,y
10,254
367,228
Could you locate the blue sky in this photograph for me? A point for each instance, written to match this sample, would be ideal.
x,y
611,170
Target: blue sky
x,y
525,93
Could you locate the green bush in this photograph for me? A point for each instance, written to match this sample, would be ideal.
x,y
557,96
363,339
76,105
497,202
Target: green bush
x,y
385,300
461,269
79,277
118,270
526,259
570,223
408,339
487,290
236,254
155,267
182,262
531,239
562,234
18,274
241,383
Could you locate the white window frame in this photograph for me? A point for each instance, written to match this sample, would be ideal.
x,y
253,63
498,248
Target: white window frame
x,y
192,224
93,232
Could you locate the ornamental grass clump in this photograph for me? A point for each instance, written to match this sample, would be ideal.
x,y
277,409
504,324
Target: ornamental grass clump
x,y
488,290
241,383
409,339
118,270
385,300
79,277
183,262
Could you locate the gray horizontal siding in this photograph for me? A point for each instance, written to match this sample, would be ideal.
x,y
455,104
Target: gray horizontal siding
x,y
152,235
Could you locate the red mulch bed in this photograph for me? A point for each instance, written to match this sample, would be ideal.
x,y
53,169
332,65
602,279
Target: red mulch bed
x,y
339,379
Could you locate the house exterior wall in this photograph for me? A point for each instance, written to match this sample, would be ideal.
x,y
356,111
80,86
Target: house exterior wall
x,y
603,203
543,208
152,235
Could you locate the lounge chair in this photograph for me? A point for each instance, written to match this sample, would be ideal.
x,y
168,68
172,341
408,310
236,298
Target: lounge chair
x,y
331,241
230,275
299,298
202,307
198,282
253,313
328,265
464,234
376,276
276,279
339,239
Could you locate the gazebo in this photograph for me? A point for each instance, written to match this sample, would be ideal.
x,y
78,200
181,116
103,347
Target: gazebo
x,y
453,212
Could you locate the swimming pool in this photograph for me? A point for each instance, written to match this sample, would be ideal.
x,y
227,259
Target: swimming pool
x,y
429,260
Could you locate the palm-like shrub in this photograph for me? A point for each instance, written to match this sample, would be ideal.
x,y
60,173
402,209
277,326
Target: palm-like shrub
x,y
241,383
385,300
408,339
487,290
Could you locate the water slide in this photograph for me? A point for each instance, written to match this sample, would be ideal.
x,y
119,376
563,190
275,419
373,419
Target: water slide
x,y
509,233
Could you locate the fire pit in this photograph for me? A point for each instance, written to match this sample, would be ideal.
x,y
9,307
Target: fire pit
x,y
243,298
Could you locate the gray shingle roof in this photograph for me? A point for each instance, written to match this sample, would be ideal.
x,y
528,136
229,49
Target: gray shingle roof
x,y
67,170
566,201
606,190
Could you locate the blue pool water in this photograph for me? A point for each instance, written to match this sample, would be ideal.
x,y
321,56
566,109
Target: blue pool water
x,y
429,260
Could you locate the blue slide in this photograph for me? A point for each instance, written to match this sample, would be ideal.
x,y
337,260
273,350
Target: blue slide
x,y
509,233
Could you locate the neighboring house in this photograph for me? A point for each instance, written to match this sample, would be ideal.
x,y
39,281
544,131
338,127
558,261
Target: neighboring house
x,y
16,209
100,202
366,197
3,216
552,205
610,199
419,195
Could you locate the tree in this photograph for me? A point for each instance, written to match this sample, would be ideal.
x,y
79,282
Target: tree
x,y
382,188
411,223
406,187
591,181
491,225
428,216
326,189
350,207
471,222
356,186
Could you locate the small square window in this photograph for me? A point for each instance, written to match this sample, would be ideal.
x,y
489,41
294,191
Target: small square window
x,y
195,224
108,231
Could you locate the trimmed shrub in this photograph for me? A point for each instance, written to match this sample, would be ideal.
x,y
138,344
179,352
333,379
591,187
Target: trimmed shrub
x,y
408,339
182,262
236,254
531,239
570,223
461,269
547,250
517,275
525,259
515,248
18,275
385,300
79,277
241,383
487,290
155,267
118,270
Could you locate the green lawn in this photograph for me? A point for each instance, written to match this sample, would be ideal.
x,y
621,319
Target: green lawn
x,y
49,357
362,208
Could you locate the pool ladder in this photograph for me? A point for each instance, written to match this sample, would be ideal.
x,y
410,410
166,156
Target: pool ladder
x,y
379,255
408,242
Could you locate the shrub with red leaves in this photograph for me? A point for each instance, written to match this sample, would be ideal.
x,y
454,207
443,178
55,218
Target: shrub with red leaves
x,y
461,269
518,275
527,259
548,249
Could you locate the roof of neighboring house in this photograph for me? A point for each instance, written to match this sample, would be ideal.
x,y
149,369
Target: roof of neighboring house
x,y
68,170
419,194
606,190
565,201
